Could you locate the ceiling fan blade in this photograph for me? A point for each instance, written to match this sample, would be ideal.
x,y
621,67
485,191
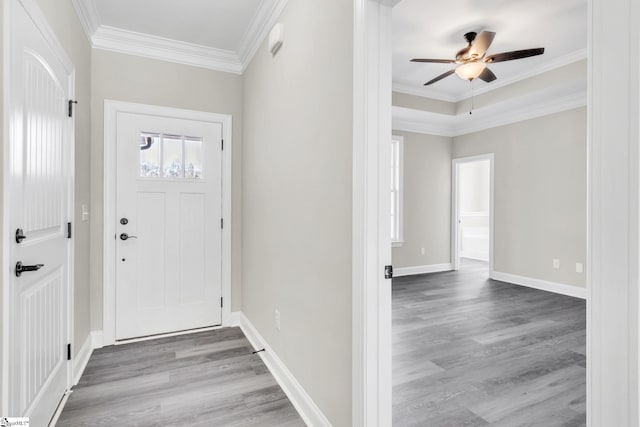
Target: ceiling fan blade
x,y
440,77
487,75
436,61
516,54
481,44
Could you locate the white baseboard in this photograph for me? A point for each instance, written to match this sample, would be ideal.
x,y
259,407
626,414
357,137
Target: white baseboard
x,y
308,410
558,288
61,405
96,339
421,269
82,358
79,365
234,320
474,255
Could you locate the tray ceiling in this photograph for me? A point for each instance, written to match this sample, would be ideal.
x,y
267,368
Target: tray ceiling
x,y
435,30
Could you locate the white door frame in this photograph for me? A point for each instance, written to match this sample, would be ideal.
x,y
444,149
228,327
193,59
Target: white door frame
x,y
455,214
371,296
40,21
613,267
111,110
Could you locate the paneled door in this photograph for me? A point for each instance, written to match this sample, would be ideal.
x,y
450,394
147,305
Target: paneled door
x,y
168,239
40,167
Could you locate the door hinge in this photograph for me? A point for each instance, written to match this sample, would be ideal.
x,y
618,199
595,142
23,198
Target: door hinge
x,y
221,222
222,144
68,351
71,102
388,272
68,230
221,302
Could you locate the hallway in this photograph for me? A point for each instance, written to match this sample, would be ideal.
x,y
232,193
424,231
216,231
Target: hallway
x,y
472,351
202,379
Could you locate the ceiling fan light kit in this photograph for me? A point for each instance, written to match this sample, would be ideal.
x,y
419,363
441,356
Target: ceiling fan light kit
x,y
470,70
472,59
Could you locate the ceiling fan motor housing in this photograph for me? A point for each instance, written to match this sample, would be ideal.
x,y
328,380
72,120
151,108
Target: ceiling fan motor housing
x,y
463,54
470,36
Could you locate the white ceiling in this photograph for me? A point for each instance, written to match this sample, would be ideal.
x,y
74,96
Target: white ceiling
x,y
431,29
220,24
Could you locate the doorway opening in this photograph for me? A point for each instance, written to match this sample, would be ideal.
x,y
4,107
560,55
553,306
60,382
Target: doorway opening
x,y
472,213
612,208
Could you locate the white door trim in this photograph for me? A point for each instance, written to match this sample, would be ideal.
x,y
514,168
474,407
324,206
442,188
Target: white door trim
x,y
613,215
40,21
111,109
613,267
371,298
455,226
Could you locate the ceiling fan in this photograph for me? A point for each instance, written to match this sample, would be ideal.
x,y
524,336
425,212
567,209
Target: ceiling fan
x,y
472,60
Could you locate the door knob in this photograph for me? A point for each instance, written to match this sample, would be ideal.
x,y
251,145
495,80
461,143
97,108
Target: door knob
x,y
22,268
125,236
20,235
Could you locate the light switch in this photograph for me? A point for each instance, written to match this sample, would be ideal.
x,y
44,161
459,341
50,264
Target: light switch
x,y
85,213
556,263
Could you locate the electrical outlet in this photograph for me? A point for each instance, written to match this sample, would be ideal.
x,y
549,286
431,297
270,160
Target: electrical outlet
x,y
421,251
277,319
579,268
556,263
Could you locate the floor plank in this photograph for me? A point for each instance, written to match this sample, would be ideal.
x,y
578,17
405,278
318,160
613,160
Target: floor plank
x,y
469,351
202,379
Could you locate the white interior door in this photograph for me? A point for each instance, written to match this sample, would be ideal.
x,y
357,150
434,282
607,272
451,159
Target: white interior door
x,y
40,171
169,210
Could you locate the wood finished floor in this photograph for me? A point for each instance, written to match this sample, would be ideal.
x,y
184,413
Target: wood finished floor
x,y
468,351
203,379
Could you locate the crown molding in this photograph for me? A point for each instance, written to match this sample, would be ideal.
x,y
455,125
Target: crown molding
x,y
528,112
264,19
88,15
512,111
149,46
133,43
429,92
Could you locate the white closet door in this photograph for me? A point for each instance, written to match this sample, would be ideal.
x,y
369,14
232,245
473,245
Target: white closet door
x,y
41,170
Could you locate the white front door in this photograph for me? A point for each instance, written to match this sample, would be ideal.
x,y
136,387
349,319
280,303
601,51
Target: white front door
x,y
168,239
40,199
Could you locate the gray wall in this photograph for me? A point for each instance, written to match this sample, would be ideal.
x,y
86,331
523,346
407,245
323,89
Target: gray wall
x,y
540,194
130,78
297,174
414,102
427,201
